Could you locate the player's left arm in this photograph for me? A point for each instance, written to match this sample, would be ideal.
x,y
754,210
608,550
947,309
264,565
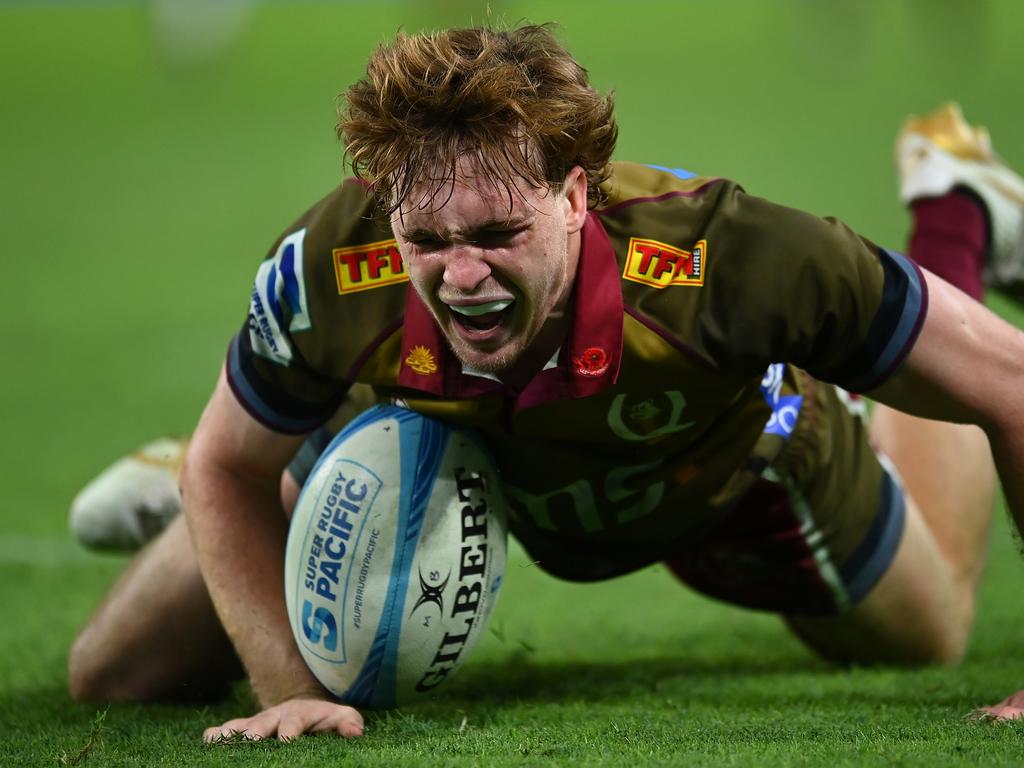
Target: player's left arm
x,y
967,366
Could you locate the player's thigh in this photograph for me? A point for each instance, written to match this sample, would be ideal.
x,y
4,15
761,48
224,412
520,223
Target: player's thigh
x,y
156,633
913,615
813,534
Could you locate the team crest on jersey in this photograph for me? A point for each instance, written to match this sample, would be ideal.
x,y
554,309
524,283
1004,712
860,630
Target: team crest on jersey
x,y
648,418
373,265
421,360
660,265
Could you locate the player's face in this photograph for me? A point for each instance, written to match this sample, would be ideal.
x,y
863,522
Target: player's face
x,y
496,270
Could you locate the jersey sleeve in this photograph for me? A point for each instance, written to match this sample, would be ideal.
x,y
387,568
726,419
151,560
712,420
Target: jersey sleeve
x,y
291,363
267,366
786,286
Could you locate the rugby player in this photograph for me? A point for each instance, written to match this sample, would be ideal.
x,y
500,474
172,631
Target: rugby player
x,y
661,363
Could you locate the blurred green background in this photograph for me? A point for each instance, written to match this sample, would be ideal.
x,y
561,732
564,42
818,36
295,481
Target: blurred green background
x,y
151,152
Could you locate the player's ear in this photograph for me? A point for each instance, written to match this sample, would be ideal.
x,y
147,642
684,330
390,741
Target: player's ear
x,y
575,191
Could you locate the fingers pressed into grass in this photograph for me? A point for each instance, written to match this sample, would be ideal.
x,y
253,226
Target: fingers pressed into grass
x,y
289,720
1010,708
239,728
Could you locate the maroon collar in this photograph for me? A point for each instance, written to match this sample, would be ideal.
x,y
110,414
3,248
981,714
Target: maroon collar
x,y
586,365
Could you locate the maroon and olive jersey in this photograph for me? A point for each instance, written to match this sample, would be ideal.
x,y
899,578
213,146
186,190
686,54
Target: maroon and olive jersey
x,y
704,320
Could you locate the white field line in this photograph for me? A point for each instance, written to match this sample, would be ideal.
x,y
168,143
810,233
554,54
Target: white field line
x,y
48,551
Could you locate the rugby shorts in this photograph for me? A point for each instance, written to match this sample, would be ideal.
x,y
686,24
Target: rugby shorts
x,y
815,533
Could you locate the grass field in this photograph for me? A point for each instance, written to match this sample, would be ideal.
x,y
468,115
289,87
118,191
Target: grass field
x,y
141,184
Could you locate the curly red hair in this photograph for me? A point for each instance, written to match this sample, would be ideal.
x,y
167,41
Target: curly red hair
x,y
516,101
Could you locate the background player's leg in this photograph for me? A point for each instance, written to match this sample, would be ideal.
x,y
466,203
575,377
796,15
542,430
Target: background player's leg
x,y
156,634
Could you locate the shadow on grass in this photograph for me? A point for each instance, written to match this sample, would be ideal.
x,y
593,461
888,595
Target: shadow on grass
x,y
778,682
51,708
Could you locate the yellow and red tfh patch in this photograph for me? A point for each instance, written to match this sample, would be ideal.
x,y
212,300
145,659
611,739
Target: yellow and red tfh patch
x,y
361,267
660,265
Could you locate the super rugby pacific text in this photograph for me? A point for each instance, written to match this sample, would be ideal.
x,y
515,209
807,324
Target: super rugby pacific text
x,y
334,521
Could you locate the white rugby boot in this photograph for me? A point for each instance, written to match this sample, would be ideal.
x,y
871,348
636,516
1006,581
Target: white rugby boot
x,y
940,152
132,500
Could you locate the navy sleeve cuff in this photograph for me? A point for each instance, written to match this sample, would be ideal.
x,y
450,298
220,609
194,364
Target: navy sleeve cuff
x,y
273,408
894,329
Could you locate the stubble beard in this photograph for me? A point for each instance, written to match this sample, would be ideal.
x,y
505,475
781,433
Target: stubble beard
x,y
495,363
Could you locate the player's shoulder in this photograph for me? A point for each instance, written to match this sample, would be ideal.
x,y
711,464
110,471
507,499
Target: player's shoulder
x,y
346,220
635,191
637,183
345,245
669,205
335,266
656,219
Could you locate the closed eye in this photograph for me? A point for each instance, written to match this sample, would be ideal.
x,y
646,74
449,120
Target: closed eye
x,y
484,237
495,237
426,243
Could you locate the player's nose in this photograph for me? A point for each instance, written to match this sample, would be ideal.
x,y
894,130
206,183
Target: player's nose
x,y
465,268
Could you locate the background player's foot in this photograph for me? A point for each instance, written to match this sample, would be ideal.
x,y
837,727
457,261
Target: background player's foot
x,y
132,500
941,152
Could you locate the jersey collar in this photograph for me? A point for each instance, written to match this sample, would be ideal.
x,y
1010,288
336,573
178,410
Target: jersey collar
x,y
586,365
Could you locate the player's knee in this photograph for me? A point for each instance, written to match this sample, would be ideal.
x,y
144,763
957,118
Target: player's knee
x,y
97,677
942,648
935,637
943,641
950,644
84,678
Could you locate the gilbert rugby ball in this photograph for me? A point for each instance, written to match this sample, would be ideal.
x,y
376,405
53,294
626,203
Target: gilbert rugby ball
x,y
395,556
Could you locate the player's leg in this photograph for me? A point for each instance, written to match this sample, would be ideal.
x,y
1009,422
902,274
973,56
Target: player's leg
x,y
948,471
917,613
131,501
968,212
827,537
156,634
968,228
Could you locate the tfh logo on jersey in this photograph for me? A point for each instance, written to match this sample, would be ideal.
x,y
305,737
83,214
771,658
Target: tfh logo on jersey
x,y
373,265
661,265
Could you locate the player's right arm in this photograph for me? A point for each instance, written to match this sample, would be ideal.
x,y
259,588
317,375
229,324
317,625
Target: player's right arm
x,y
287,372
230,490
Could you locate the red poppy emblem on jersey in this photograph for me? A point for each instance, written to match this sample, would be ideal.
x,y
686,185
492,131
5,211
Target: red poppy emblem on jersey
x,y
593,362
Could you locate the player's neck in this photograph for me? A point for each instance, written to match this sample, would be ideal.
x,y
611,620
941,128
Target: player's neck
x,y
534,359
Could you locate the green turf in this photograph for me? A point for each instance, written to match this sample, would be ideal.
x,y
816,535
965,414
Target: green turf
x,y
139,191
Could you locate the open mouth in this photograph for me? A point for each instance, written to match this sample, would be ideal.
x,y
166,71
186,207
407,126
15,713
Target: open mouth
x,y
482,318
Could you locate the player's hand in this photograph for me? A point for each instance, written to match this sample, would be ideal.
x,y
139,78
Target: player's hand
x,y
290,719
1010,708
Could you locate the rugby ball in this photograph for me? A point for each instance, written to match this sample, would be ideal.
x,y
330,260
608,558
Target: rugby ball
x,y
395,557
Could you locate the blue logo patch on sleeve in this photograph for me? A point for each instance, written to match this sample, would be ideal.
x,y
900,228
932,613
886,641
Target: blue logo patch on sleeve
x,y
278,305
